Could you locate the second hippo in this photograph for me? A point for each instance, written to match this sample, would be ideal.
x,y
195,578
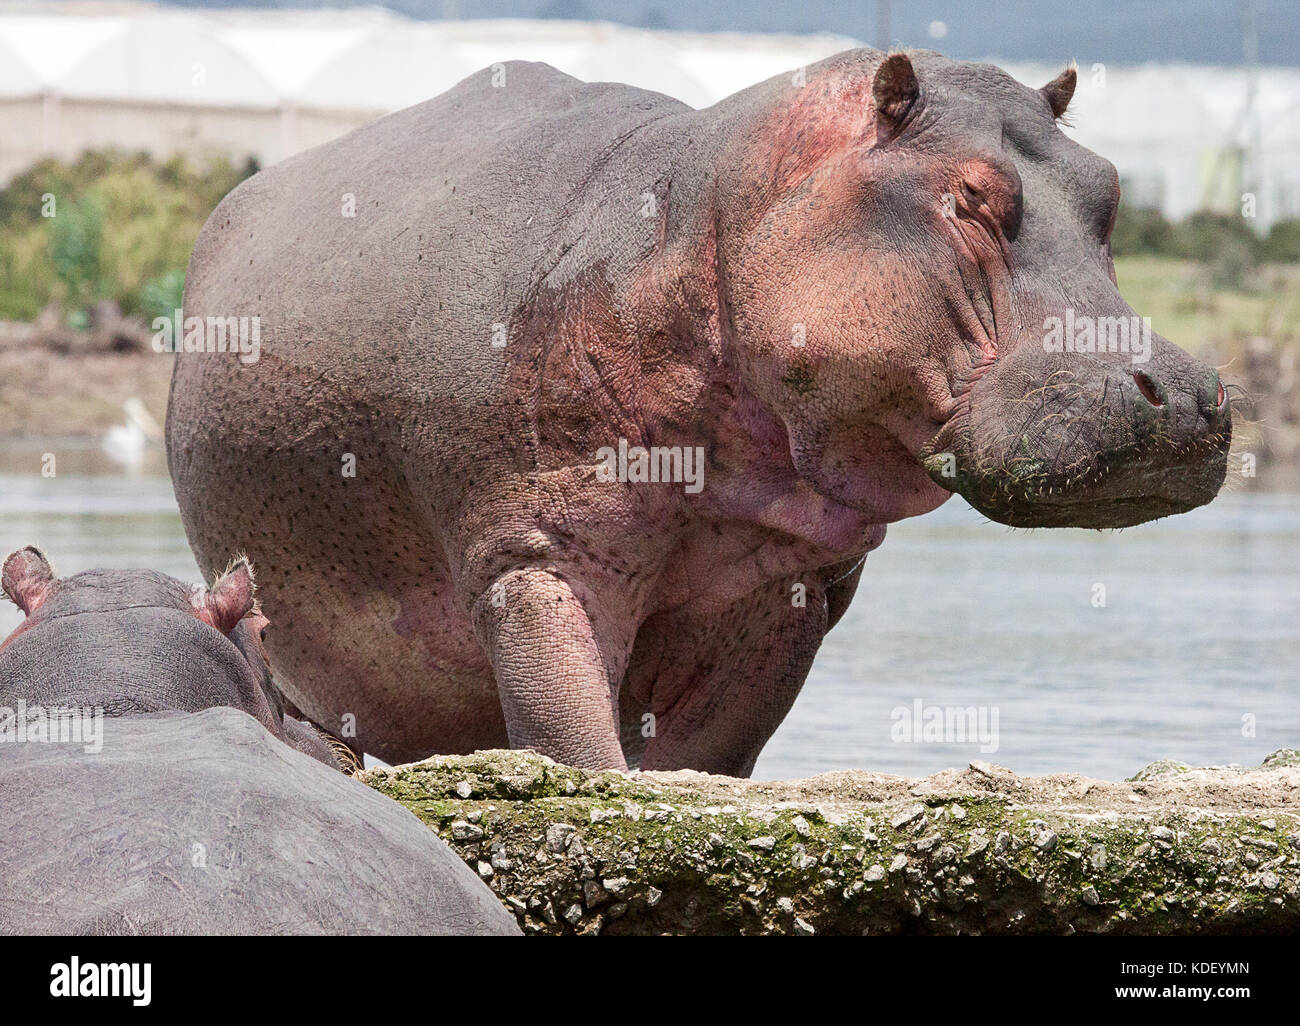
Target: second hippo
x,y
150,782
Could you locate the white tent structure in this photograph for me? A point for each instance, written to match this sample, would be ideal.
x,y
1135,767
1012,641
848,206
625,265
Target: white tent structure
x,y
268,84
1181,136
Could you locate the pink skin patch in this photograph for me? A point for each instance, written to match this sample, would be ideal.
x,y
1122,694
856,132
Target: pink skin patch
x,y
229,600
27,578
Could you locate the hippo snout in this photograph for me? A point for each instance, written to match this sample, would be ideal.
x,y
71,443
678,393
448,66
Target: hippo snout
x,y
1201,405
1083,441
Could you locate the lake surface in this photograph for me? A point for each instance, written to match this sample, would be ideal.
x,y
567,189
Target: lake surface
x,y
1194,655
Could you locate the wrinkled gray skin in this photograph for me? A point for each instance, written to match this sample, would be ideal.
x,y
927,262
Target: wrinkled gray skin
x,y
205,811
835,284
203,823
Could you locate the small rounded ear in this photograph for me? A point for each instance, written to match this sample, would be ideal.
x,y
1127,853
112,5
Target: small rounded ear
x,y
26,578
1060,90
230,598
895,90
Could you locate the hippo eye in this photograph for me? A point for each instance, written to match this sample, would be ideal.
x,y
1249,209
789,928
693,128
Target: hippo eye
x,y
262,634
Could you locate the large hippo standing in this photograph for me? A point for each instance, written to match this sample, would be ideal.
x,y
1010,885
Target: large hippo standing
x,y
576,410
149,783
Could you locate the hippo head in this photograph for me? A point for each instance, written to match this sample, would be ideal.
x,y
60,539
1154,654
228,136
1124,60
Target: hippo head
x,y
916,268
137,641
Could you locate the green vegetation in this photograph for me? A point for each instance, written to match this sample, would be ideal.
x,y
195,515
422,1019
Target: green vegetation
x,y
112,225
1186,305
1176,850
1203,236
1223,243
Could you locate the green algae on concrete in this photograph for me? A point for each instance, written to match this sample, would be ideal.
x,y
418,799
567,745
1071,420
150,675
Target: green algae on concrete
x,y
1172,851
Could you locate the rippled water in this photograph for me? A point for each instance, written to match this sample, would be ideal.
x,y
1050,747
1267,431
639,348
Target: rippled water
x,y
1198,640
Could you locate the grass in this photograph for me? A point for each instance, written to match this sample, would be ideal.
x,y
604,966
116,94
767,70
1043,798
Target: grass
x,y
1189,309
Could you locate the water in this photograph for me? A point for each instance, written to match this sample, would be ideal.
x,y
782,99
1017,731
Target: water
x,y
1200,629
1195,654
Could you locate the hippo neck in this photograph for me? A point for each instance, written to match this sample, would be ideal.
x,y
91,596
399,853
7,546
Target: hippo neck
x,y
673,313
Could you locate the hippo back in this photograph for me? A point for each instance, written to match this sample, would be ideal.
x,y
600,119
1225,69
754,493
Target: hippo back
x,y
204,823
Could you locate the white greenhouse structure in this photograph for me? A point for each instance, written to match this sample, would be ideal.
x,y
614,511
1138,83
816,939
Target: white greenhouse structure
x,y
267,84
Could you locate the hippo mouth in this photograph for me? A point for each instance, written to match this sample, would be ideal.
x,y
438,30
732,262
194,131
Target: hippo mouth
x,y
1116,494
1082,466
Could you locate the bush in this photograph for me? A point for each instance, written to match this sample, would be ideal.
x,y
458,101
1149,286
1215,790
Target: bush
x,y
1224,243
1139,231
122,228
1205,237
1282,244
76,246
161,297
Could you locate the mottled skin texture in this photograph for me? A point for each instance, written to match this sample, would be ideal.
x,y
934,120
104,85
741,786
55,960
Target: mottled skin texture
x,y
777,279
205,809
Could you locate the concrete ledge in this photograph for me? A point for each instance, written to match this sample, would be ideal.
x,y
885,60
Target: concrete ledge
x,y
1175,850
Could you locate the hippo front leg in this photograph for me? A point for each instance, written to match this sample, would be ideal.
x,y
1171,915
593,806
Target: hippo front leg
x,y
559,658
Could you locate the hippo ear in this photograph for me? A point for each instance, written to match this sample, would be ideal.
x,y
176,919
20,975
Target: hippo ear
x,y
1060,90
230,598
895,90
26,578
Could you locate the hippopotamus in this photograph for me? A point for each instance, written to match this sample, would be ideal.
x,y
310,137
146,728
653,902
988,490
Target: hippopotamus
x,y
150,782
575,410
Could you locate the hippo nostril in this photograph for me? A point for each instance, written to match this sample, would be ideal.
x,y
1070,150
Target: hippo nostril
x,y
1148,389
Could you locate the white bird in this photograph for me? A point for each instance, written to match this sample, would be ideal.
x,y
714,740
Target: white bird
x,y
126,443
